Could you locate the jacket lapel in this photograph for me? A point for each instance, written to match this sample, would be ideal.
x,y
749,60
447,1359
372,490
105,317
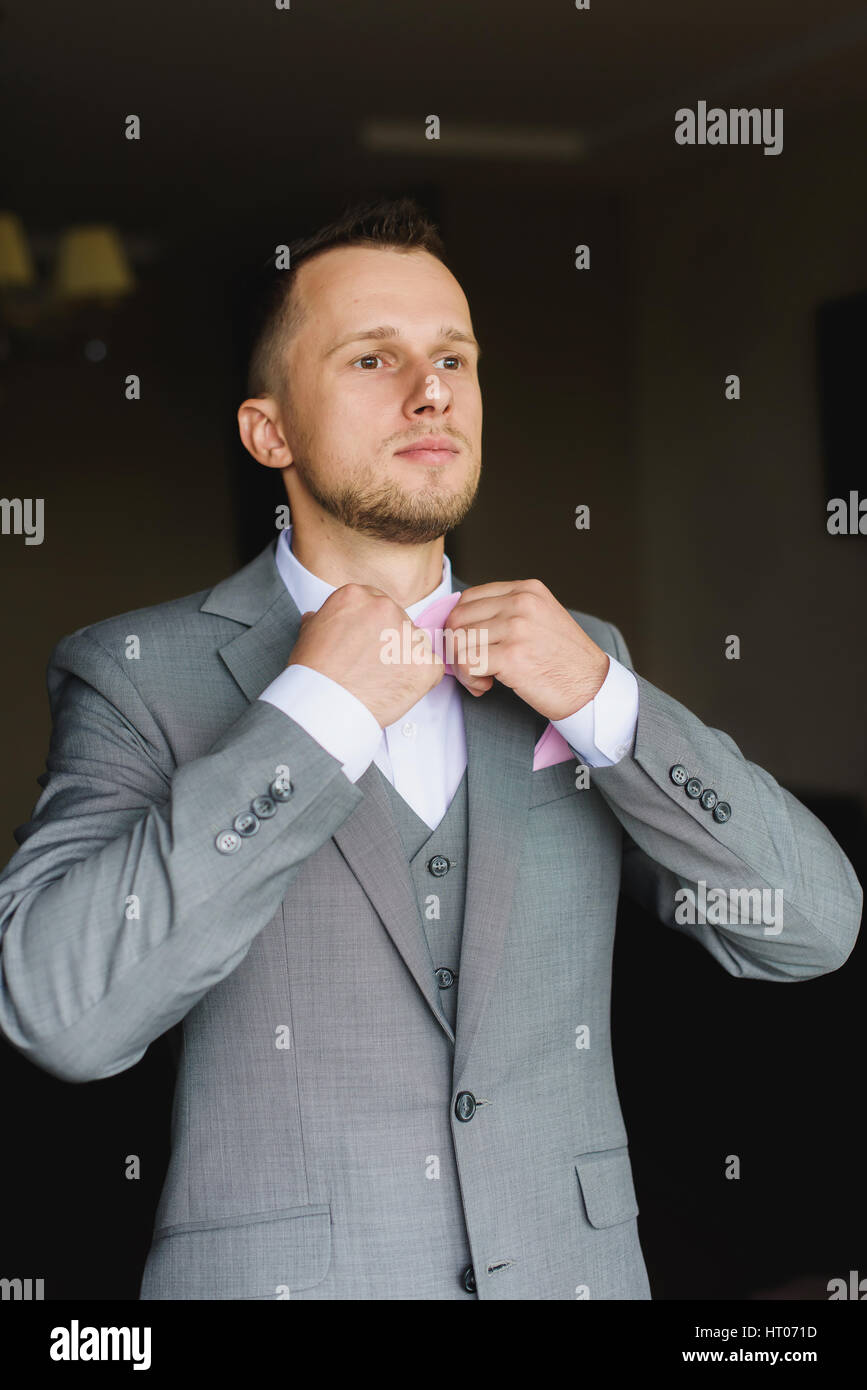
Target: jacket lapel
x,y
370,843
257,597
368,839
501,732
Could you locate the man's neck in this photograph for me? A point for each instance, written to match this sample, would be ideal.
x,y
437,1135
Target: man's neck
x,y
407,573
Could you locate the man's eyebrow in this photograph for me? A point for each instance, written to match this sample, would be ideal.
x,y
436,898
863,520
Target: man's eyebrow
x,y
447,334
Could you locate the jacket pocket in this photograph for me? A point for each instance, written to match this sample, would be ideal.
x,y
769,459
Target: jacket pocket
x,y
552,783
606,1186
261,1255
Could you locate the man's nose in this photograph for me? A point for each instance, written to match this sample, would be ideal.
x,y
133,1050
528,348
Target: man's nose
x,y
435,392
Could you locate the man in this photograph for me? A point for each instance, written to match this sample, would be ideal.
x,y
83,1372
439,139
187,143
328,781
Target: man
x,y
373,893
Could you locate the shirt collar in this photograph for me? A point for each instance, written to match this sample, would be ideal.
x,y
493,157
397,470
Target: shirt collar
x,y
308,592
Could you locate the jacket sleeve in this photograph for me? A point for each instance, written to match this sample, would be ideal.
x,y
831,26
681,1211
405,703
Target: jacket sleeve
x,y
117,911
682,863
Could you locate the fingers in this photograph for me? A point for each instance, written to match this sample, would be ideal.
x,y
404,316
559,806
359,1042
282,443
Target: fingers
x,y
474,612
476,685
493,590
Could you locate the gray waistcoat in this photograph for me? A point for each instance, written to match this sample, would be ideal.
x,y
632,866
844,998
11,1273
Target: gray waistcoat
x,y
438,865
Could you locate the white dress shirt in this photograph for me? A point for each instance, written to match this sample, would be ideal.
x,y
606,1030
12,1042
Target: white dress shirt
x,y
424,753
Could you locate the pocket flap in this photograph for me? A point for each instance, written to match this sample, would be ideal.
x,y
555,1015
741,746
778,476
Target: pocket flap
x,y
550,783
255,1256
606,1185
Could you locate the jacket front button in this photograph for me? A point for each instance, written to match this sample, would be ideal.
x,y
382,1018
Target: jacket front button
x,y
227,842
469,1279
465,1105
678,774
439,865
445,978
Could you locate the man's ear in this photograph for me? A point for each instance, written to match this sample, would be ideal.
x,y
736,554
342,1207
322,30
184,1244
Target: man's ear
x,y
261,432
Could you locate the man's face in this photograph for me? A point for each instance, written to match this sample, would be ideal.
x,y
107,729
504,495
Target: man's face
x,y
356,400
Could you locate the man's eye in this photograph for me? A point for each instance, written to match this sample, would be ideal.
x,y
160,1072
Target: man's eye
x,y
375,357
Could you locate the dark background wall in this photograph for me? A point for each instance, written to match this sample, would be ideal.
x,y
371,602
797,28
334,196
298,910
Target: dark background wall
x,y
602,387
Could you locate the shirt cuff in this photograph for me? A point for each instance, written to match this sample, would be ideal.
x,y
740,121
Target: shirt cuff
x,y
603,731
338,721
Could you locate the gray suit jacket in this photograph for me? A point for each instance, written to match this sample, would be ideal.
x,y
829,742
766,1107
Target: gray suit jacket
x,y
316,1151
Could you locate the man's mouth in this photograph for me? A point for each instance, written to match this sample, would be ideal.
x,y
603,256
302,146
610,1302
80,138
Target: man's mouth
x,y
433,450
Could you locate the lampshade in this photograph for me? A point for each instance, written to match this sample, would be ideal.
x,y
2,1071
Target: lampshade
x,y
92,263
16,263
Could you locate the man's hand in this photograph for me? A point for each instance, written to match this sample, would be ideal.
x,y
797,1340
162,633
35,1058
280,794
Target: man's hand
x,y
343,640
533,646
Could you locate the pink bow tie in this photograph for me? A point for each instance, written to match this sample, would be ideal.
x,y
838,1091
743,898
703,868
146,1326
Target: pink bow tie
x,y
432,619
552,747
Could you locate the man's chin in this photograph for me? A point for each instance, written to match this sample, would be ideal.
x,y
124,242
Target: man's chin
x,y
415,516
405,529
395,512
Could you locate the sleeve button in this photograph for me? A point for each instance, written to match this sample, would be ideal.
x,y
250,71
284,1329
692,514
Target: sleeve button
x,y
246,823
281,789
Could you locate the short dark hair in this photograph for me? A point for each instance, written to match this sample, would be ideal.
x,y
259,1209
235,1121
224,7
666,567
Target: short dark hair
x,y
399,223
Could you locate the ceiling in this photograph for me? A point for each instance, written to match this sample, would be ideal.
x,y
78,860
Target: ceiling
x,y
241,103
